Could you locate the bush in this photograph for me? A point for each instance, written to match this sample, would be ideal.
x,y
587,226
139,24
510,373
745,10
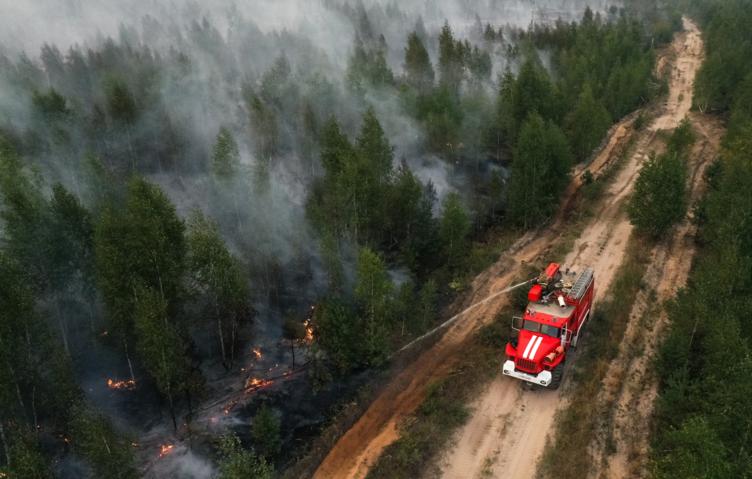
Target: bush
x,y
660,197
266,432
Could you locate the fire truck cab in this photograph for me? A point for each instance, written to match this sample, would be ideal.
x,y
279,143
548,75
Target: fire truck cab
x,y
559,305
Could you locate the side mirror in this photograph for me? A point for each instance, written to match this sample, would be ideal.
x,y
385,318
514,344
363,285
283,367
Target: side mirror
x,y
516,323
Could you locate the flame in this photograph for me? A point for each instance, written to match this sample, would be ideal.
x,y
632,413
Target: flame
x,y
128,384
257,383
165,449
257,352
308,330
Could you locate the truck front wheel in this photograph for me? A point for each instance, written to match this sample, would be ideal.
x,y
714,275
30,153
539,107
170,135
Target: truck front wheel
x,y
556,376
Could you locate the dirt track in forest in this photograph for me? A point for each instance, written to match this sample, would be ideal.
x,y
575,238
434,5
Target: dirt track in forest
x,y
509,426
505,439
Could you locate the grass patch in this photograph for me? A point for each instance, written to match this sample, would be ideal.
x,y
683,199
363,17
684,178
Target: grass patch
x,y
577,424
444,410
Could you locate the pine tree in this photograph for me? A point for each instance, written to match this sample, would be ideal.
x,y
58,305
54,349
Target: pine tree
x,y
454,229
587,124
533,92
238,463
225,157
660,196
375,148
94,439
540,172
160,346
139,246
450,60
369,177
337,333
419,72
266,432
219,276
373,291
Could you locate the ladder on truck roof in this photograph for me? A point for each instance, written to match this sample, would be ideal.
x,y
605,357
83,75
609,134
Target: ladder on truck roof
x,y
581,284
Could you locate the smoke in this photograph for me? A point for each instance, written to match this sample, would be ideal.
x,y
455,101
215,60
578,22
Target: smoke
x,y
183,463
190,67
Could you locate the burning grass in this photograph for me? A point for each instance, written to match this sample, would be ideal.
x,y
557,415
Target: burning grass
x,y
577,424
165,449
127,384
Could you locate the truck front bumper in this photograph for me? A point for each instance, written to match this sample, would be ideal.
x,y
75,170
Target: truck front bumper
x,y
541,379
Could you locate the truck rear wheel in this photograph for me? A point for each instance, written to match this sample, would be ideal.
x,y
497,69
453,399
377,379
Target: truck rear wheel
x,y
556,376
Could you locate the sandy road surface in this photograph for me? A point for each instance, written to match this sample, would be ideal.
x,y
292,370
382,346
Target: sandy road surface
x,y
630,389
504,409
504,438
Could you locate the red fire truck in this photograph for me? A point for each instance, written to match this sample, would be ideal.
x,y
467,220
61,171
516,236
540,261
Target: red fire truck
x,y
559,305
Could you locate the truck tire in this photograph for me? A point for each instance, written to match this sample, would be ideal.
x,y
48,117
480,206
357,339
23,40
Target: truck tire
x,y
556,376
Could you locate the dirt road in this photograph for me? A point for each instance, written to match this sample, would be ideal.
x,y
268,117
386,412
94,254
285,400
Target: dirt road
x,y
621,446
506,414
508,431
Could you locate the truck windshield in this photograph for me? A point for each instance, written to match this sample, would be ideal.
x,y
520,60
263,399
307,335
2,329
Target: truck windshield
x,y
541,328
532,326
550,331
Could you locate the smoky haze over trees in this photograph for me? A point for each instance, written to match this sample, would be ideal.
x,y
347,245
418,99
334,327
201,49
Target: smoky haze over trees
x,y
181,187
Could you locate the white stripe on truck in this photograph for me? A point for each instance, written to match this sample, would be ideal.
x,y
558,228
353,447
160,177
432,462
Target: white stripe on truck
x,y
529,345
535,348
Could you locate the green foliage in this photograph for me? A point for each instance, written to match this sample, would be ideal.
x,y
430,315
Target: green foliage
x,y
419,72
409,222
367,66
454,229
25,217
225,157
160,345
532,92
266,130
338,334
696,453
362,198
703,415
52,104
27,461
451,60
682,138
540,172
72,252
436,416
122,105
96,442
219,277
373,291
726,30
660,195
141,245
266,432
427,307
587,124
239,463
35,378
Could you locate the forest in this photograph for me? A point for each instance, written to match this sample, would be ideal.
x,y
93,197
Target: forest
x,y
703,422
188,203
